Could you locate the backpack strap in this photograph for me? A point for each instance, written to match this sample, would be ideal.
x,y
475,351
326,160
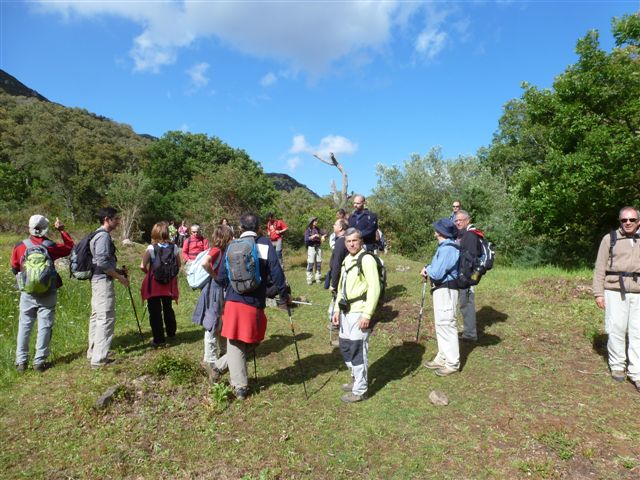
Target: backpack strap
x,y
613,238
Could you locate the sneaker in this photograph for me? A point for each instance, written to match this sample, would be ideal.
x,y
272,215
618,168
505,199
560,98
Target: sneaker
x,y
445,371
433,365
41,367
21,368
241,393
347,387
618,375
309,282
352,397
212,372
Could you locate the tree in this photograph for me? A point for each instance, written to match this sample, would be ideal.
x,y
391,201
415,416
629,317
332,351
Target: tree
x,y
569,154
339,198
129,193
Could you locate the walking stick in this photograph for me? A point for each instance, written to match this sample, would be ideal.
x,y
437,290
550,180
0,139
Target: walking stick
x,y
295,342
133,305
424,291
333,309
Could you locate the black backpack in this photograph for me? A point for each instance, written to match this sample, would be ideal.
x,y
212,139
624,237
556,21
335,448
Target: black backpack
x,y
164,266
382,278
471,268
81,259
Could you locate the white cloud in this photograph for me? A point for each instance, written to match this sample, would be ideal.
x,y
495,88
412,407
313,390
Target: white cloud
x,y
430,43
293,163
336,144
303,36
268,80
198,76
184,128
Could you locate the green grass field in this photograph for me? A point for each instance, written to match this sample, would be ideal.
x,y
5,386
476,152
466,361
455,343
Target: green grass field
x,y
533,400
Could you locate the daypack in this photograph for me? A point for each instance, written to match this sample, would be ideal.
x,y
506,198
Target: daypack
x,y
81,259
197,276
382,278
243,264
37,271
472,268
164,266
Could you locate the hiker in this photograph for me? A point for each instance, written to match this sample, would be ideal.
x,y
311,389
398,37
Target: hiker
x,y
340,215
243,320
357,298
103,295
161,264
335,265
182,234
442,272
456,208
276,228
208,311
468,242
173,232
225,222
313,238
616,288
39,293
365,221
193,245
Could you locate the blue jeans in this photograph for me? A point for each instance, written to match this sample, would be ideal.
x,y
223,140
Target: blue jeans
x,y
42,308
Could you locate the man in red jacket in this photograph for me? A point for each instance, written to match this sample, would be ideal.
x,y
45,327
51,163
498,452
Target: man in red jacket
x,y
193,245
41,305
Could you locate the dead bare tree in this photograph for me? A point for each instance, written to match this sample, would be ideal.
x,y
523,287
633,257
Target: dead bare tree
x,y
339,198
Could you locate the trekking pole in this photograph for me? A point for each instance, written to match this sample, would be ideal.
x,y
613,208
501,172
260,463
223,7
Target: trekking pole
x,y
133,305
424,292
333,309
295,342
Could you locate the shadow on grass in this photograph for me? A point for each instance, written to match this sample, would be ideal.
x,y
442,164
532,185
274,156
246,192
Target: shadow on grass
x,y
276,343
386,314
485,317
394,292
312,366
599,344
397,363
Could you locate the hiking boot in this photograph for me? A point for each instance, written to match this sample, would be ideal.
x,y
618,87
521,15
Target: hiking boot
x,y
212,372
41,367
618,375
21,368
433,365
445,371
97,366
352,397
241,393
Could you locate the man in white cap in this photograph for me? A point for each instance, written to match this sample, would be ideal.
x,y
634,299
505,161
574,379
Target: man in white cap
x,y
32,263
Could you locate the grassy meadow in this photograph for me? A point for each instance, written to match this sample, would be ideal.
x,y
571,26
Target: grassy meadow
x,y
533,399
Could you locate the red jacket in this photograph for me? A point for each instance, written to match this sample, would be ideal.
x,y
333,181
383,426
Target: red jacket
x,y
58,250
192,246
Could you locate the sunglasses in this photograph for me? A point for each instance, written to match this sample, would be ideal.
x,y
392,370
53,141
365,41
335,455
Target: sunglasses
x,y
628,220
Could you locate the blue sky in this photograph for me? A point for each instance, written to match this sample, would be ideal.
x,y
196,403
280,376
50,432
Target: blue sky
x,y
373,82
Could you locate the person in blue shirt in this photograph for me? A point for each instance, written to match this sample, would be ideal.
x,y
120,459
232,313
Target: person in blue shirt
x,y
442,273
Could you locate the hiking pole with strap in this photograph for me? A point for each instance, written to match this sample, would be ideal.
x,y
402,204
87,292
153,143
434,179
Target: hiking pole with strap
x,y
424,292
133,305
295,342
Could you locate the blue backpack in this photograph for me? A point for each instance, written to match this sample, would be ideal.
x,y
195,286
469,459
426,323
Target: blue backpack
x,y
197,276
243,265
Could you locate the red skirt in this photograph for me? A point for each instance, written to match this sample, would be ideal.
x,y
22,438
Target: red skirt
x,y
243,322
157,289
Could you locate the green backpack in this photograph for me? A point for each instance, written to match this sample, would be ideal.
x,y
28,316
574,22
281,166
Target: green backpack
x,y
37,271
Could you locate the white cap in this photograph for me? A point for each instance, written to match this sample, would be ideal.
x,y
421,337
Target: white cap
x,y
38,225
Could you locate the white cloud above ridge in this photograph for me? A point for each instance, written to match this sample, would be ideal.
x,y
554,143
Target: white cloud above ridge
x,y
303,36
336,144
